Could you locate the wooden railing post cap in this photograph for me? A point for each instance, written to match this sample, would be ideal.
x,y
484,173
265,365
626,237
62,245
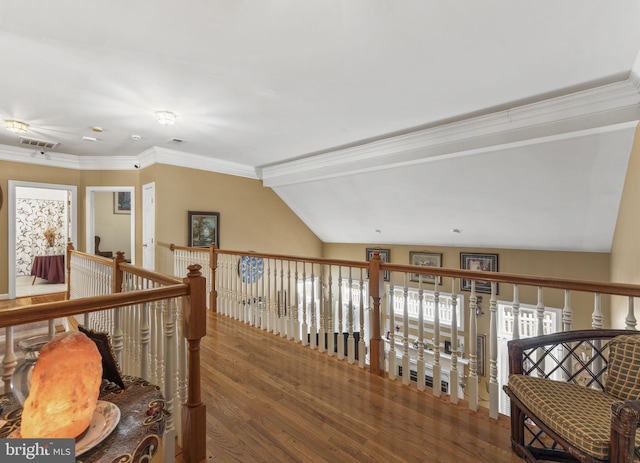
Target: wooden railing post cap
x,y
194,270
172,247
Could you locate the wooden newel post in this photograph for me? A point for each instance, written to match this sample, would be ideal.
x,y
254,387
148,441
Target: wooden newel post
x,y
376,283
213,263
118,274
194,416
68,264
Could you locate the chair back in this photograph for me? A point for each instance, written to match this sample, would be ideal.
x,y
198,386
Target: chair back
x,y
623,375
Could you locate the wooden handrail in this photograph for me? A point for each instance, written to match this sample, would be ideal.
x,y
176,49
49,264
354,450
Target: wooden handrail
x,y
150,275
45,311
310,260
620,289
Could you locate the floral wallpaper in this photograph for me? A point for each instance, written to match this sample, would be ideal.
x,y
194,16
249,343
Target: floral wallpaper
x,y
33,217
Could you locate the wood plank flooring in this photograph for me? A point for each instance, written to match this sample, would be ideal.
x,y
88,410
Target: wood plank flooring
x,y
271,400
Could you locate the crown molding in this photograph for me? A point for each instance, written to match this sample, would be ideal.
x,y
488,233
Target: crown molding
x,y
31,156
607,105
147,158
160,155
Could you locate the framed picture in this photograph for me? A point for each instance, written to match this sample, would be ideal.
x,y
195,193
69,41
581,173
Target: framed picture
x,y
385,256
477,261
481,351
204,229
122,202
425,259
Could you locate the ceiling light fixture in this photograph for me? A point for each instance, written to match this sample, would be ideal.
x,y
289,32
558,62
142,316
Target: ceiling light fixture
x,y
165,117
16,126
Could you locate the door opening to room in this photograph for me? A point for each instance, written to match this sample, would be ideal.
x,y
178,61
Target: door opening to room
x,y
42,219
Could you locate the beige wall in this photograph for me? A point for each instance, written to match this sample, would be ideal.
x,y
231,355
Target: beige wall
x,y
251,217
625,250
25,173
113,229
576,265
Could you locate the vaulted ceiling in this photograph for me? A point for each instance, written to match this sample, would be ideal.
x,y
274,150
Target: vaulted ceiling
x,y
376,121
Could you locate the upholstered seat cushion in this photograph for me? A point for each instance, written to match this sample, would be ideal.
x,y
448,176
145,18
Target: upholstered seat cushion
x,y
578,414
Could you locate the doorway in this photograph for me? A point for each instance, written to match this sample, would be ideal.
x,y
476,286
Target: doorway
x,y
111,220
42,219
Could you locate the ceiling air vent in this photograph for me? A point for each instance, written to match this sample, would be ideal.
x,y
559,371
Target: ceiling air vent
x,y
176,140
35,143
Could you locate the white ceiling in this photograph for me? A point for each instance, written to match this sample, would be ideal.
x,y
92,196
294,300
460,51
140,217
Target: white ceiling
x,y
509,120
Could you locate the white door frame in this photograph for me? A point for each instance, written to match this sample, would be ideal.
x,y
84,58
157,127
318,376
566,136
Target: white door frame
x,y
149,226
73,210
91,216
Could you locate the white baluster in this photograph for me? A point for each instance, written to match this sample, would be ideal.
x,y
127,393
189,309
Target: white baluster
x,y
406,371
596,323
454,377
313,329
361,342
117,335
331,341
169,380
515,310
284,324
472,384
420,373
273,318
596,316
322,331
494,390
540,313
392,344
630,320
290,310
567,312
305,325
351,345
144,341
9,360
340,337
437,387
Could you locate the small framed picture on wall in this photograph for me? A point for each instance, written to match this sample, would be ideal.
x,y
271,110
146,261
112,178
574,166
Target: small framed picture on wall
x,y
204,229
481,262
425,259
385,256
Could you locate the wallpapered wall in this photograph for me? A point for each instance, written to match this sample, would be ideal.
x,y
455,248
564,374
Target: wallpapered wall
x,y
33,217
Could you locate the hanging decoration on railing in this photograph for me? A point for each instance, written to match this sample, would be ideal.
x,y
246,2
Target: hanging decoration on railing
x,y
250,268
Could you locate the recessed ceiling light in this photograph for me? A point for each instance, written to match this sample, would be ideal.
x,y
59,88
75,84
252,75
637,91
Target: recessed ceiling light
x,y
135,137
16,126
455,230
378,230
85,138
165,117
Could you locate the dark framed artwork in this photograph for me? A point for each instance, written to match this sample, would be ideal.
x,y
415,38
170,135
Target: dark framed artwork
x,y
204,229
385,256
122,202
425,259
481,262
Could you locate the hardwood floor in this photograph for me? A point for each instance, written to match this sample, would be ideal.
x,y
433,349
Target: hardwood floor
x,y
271,400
